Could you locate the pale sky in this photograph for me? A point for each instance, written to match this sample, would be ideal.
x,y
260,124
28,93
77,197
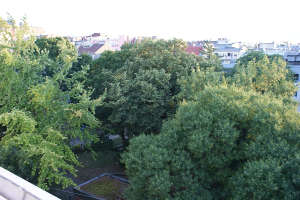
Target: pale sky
x,y
238,20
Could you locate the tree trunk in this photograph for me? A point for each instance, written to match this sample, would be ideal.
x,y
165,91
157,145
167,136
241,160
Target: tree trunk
x,y
125,138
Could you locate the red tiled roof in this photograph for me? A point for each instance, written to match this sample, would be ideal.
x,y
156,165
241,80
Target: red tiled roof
x,y
89,50
193,50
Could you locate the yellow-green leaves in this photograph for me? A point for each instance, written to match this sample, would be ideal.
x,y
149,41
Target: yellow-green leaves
x,y
264,74
16,122
42,107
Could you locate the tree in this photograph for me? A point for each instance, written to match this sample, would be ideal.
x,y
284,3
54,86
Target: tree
x,y
208,49
37,119
141,103
102,70
264,74
142,82
60,50
212,58
198,81
83,60
251,56
256,56
225,143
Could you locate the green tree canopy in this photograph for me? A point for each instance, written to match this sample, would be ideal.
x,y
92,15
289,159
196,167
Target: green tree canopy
x,y
251,56
37,120
60,50
103,69
82,60
264,74
225,143
142,81
256,56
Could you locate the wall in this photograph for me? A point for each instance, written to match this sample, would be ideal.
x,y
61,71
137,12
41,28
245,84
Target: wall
x,y
13,187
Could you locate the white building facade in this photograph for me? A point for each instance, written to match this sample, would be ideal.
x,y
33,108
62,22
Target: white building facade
x,y
293,60
274,48
228,52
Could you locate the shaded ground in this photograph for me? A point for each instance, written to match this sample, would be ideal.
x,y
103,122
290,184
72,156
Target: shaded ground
x,y
106,162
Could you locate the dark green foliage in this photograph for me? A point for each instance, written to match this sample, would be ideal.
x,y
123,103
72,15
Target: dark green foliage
x,y
140,104
198,81
250,56
60,51
224,144
83,60
256,56
55,47
102,70
142,82
269,179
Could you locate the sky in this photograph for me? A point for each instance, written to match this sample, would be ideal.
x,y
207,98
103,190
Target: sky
x,y
237,20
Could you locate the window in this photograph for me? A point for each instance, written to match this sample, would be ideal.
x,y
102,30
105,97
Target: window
x,y
296,77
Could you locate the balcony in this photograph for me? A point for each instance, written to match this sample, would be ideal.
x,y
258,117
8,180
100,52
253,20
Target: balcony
x,y
13,187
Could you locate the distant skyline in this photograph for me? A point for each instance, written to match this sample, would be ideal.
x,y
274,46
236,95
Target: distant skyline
x,y
237,20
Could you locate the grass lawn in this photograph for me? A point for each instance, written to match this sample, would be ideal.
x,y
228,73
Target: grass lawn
x,y
106,187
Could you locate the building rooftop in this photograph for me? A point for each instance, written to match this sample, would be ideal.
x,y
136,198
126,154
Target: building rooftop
x,y
91,49
194,50
226,49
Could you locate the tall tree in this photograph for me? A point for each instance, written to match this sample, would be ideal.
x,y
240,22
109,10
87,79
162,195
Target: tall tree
x,y
256,56
83,60
102,70
208,49
37,121
60,51
143,80
225,143
264,74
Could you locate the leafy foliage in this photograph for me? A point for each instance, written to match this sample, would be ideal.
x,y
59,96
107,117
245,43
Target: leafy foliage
x,y
225,143
140,104
59,50
103,69
37,118
142,82
251,56
197,81
264,74
256,56
83,60
234,138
